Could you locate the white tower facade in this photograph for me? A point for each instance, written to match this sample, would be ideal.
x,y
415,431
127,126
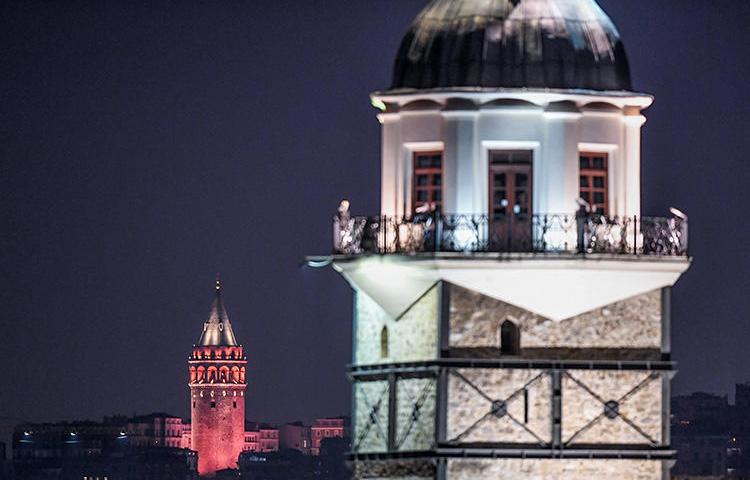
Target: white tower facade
x,y
511,302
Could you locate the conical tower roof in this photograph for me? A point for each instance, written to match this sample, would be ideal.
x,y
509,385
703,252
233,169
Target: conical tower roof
x,y
217,331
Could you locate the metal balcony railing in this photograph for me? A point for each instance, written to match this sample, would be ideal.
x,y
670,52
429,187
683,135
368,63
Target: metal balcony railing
x,y
540,233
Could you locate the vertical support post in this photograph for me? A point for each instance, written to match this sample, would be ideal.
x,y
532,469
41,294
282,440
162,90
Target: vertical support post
x,y
354,362
444,312
666,410
442,469
391,412
666,323
556,409
635,235
441,410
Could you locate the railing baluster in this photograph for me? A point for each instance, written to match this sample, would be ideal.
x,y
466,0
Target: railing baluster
x,y
535,233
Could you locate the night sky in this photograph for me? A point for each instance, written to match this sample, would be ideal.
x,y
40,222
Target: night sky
x,y
145,148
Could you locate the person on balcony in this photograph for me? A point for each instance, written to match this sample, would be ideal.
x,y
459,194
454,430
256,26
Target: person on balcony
x,y
582,220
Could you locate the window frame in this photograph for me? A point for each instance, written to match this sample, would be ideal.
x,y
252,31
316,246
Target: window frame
x,y
430,188
590,173
519,161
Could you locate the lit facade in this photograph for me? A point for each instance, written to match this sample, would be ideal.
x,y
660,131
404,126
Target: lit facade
x,y
512,305
156,430
217,368
261,438
324,428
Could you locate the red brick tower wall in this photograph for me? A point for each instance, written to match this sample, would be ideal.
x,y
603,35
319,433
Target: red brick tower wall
x,y
217,391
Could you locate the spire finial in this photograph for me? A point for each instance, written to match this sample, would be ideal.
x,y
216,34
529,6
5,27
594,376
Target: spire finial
x,y
218,285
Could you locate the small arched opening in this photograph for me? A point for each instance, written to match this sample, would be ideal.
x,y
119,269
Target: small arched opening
x,y
235,374
201,374
224,374
384,342
510,338
212,374
192,374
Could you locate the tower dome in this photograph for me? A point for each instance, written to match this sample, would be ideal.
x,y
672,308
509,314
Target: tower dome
x,y
535,44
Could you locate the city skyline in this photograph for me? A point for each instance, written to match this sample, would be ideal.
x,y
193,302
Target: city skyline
x,y
111,263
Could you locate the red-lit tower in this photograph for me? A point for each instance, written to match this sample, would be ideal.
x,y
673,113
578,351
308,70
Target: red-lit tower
x,y
217,390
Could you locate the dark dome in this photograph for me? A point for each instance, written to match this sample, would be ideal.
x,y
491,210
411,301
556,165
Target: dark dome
x,y
558,44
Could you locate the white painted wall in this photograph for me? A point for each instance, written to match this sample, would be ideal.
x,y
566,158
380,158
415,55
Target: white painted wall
x,y
556,126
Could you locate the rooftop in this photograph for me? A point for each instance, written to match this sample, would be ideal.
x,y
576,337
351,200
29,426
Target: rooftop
x,y
535,44
217,330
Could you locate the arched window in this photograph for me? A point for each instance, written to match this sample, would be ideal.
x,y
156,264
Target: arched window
x,y
384,342
510,338
242,375
213,372
192,374
201,374
224,374
235,375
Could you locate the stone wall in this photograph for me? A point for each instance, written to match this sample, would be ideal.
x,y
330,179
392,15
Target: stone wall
x,y
415,413
370,403
631,323
466,406
471,393
554,469
217,427
641,407
394,469
411,337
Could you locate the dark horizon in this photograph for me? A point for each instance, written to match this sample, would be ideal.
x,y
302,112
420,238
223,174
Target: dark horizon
x,y
146,148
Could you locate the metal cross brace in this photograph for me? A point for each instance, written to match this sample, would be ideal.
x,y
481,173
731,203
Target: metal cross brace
x,y
609,410
374,410
493,402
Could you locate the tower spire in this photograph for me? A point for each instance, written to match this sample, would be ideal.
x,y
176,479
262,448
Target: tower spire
x,y
217,330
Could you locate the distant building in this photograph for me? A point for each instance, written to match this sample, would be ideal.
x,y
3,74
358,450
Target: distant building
x,y
90,450
5,465
156,430
711,436
693,408
282,465
742,395
260,438
293,464
324,428
704,455
295,436
217,392
48,442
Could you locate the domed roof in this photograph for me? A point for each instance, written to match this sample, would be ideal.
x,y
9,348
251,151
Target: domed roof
x,y
557,44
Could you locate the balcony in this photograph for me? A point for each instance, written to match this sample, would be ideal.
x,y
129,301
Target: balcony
x,y
540,233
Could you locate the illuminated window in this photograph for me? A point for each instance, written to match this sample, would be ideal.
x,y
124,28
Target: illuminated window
x,y
384,342
593,180
427,182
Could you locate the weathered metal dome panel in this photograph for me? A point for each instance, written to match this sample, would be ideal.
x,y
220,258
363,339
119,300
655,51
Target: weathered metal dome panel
x,y
556,44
